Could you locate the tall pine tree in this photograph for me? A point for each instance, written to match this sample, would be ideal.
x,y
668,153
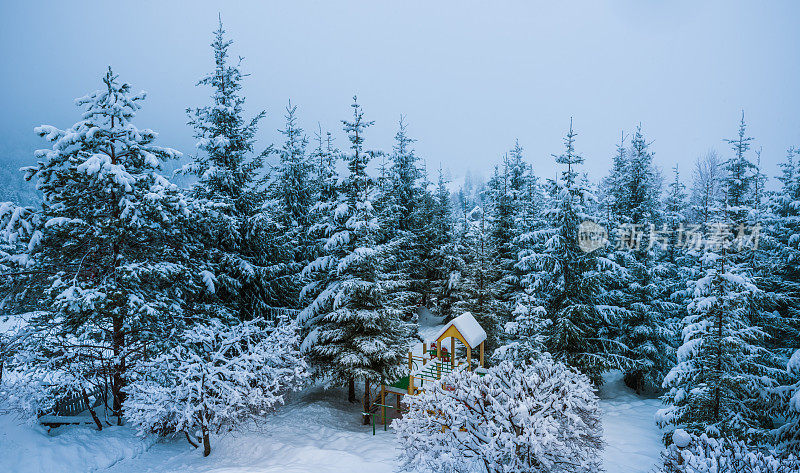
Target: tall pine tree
x,y
350,334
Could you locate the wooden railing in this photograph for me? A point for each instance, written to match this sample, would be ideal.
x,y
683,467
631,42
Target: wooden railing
x,y
74,404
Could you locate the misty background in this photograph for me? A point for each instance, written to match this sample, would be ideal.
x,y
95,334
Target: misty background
x,y
470,77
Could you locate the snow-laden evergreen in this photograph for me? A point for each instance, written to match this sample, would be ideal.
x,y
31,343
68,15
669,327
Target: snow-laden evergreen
x,y
282,227
640,287
505,189
108,257
216,378
237,256
350,335
703,454
445,259
541,418
473,285
723,377
569,281
405,213
778,255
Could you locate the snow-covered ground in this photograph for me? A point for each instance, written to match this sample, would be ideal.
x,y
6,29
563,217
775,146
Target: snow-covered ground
x,y
633,442
30,448
317,431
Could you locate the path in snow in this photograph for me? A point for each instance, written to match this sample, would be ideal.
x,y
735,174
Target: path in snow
x,y
633,442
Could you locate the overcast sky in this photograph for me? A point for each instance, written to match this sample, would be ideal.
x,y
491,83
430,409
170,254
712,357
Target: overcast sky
x,y
469,76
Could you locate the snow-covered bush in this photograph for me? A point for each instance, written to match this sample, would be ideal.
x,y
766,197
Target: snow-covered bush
x,y
216,377
544,418
526,331
701,454
788,435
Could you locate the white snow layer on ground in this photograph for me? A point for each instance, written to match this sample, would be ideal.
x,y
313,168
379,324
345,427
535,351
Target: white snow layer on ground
x,y
633,442
316,432
31,449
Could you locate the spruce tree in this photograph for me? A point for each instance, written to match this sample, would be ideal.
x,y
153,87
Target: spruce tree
x,y
740,178
473,288
505,189
285,218
405,215
640,287
446,256
114,247
227,188
780,245
724,375
570,280
349,333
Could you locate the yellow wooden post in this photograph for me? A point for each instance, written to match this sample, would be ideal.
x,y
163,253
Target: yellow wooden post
x,y
383,403
481,346
410,384
438,359
469,358
453,352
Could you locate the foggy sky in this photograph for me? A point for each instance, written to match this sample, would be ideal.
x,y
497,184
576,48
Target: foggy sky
x,y
470,77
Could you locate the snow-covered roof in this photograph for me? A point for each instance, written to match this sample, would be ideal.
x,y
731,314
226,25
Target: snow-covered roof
x,y
468,327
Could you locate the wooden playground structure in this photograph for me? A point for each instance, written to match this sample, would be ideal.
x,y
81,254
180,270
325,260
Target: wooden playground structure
x,y
436,361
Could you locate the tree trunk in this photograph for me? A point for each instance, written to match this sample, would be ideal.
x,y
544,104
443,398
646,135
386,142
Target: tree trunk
x,y
118,367
365,401
206,443
91,410
189,439
351,390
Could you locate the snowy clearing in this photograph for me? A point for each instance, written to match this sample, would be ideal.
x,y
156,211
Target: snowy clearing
x,y
317,431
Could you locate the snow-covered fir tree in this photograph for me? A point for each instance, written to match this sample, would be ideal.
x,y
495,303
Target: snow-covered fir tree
x,y
612,187
640,289
780,247
326,181
473,286
446,256
405,214
113,251
739,178
350,335
675,218
229,198
569,281
284,222
505,190
543,418
215,378
724,376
